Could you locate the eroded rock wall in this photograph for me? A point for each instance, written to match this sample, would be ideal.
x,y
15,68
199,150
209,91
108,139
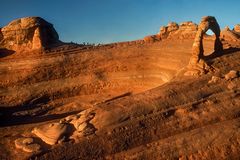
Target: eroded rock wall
x,y
27,34
174,31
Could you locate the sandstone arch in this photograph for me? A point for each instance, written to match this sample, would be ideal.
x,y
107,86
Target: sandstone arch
x,y
196,60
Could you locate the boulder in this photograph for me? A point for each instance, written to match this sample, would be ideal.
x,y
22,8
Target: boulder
x,y
81,123
28,33
52,133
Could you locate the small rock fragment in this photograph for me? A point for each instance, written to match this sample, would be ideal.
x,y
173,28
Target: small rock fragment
x,y
82,124
27,145
231,75
193,72
231,85
32,148
22,141
214,79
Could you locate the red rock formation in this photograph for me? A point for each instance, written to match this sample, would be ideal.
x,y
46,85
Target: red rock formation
x,y
27,34
151,38
175,31
197,64
172,26
229,35
237,28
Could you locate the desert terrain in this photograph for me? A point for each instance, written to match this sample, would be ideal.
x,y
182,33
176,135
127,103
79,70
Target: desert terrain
x,y
126,100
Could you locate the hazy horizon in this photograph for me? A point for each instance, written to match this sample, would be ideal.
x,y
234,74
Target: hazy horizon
x,y
117,20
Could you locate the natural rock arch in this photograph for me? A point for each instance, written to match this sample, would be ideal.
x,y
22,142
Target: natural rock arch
x,y
197,61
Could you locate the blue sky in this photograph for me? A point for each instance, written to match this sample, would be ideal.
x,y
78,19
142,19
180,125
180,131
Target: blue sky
x,y
106,21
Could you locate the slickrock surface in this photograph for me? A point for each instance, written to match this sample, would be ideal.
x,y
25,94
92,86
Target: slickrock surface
x,y
128,100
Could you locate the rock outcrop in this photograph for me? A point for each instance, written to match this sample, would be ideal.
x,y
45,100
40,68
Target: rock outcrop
x,y
174,31
172,26
151,38
237,28
76,126
52,133
81,123
186,30
229,35
28,33
197,64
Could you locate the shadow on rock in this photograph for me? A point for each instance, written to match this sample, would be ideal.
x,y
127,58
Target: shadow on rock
x,y
5,52
223,52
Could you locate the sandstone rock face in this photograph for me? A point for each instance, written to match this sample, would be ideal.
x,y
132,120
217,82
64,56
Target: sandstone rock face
x,y
172,26
196,61
163,32
237,28
151,38
27,34
188,26
175,31
229,35
187,30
